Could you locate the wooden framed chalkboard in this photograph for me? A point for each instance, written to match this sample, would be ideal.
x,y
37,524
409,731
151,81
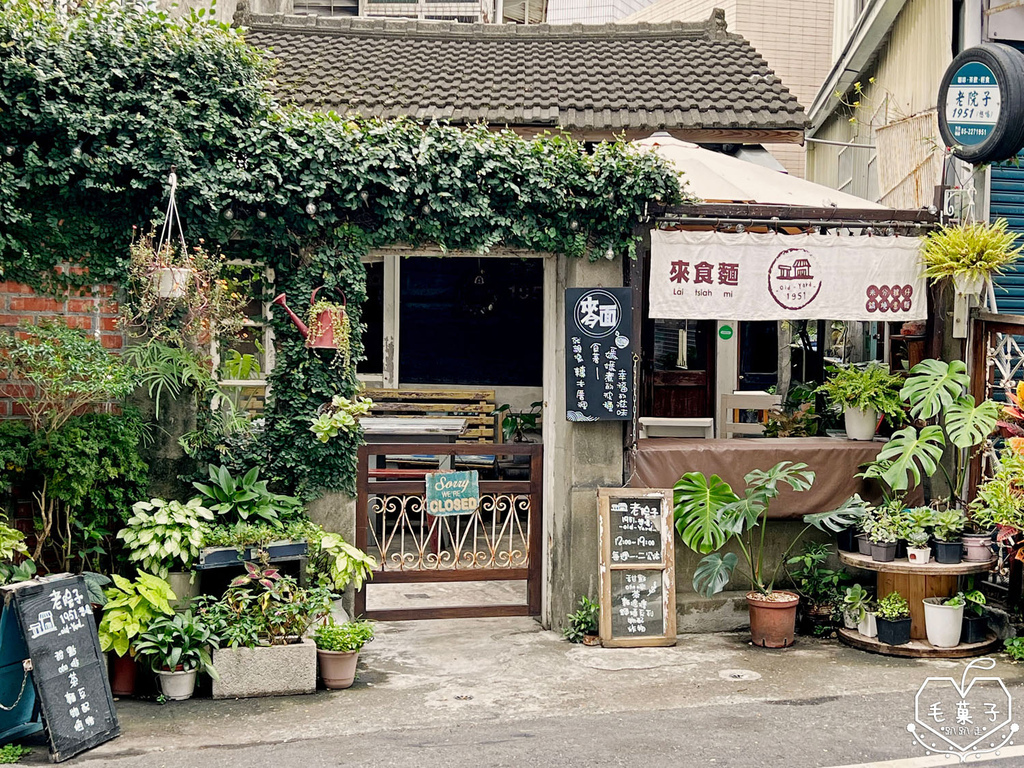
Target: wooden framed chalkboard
x,y
637,566
68,670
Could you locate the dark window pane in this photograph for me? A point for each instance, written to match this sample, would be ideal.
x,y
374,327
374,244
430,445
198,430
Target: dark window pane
x,y
373,319
471,321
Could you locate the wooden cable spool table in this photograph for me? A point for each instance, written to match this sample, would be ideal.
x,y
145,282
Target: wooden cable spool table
x,y
916,582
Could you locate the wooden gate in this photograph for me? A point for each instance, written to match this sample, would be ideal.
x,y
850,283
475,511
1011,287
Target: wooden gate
x,y
500,541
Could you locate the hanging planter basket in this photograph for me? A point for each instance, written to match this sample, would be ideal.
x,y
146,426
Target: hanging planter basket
x,y
170,282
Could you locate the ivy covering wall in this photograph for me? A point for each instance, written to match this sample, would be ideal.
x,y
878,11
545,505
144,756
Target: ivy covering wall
x,y
96,108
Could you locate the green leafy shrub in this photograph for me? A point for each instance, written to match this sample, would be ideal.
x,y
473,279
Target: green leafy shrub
x,y
815,582
869,388
893,607
179,640
347,637
162,535
857,602
972,250
246,497
1014,648
339,563
12,753
583,621
341,415
131,607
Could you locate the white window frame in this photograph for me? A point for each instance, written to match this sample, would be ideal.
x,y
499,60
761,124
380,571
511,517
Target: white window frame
x,y
269,357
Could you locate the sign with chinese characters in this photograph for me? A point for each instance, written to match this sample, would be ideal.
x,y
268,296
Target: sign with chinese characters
x,y
972,103
452,493
745,276
68,670
599,352
637,567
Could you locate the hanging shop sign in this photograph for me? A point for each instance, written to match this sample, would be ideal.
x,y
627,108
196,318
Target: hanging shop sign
x,y
981,103
67,668
452,493
712,275
599,354
637,567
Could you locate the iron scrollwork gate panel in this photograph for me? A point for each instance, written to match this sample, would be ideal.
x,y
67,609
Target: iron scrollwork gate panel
x,y
499,541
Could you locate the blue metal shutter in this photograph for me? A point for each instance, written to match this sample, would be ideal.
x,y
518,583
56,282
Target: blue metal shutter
x,y
1007,202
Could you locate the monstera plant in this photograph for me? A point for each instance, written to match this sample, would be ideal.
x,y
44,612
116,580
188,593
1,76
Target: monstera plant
x,y
709,515
936,392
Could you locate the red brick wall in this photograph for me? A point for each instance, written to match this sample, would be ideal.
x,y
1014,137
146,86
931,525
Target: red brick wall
x,y
94,311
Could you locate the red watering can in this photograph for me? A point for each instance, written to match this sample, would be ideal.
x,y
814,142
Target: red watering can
x,y
325,322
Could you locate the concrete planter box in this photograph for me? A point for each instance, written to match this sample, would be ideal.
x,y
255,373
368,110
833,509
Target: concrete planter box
x,y
275,670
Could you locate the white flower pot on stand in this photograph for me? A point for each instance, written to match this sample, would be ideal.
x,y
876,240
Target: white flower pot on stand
x,y
969,286
919,555
943,623
860,423
867,626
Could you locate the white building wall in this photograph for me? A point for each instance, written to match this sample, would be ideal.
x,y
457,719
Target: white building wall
x,y
592,11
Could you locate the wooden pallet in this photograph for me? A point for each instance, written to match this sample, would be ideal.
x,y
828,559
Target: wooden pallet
x,y
475,406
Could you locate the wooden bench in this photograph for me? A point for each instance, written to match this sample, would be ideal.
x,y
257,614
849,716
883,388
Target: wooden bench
x,y
475,406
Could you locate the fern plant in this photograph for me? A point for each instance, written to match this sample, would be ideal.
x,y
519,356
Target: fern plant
x,y
973,251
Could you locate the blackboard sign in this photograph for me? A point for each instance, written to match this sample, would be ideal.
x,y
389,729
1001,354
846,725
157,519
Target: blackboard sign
x,y
68,670
599,354
637,567
637,598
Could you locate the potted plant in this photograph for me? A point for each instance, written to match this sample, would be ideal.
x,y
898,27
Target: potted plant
x,y
881,531
893,619
818,585
339,415
708,515
969,254
582,626
862,538
161,535
918,550
261,620
946,529
515,424
944,619
856,605
131,607
864,394
998,506
177,648
975,628
337,650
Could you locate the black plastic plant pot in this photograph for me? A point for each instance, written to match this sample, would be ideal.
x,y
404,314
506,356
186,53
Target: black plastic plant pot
x,y
949,552
883,553
901,549
893,632
975,629
863,544
846,540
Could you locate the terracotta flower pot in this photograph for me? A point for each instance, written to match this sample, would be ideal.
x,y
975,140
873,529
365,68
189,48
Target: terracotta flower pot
x,y
772,622
338,668
123,671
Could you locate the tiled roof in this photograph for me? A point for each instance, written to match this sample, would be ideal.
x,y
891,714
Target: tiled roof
x,y
583,78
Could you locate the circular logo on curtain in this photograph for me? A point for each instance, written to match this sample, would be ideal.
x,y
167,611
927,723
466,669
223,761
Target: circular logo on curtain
x,y
794,278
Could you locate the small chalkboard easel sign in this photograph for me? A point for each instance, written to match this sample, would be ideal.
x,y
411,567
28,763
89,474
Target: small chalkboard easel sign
x,y
637,565
68,671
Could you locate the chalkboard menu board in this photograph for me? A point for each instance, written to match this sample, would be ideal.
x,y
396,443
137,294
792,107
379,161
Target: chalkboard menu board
x,y
599,354
68,670
637,565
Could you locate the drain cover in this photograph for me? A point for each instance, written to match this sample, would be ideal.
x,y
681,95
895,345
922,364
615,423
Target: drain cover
x,y
738,674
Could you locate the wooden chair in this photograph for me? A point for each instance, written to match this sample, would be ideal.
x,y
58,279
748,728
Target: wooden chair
x,y
731,405
657,426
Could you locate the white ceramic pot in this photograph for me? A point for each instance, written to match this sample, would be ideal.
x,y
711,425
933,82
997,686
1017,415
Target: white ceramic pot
x,y
968,287
942,623
850,620
177,686
919,555
867,627
860,423
170,282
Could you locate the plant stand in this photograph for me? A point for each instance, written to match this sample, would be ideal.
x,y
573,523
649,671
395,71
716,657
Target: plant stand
x,y
916,582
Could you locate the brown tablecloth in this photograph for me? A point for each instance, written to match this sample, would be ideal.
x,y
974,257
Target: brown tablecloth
x,y
661,461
